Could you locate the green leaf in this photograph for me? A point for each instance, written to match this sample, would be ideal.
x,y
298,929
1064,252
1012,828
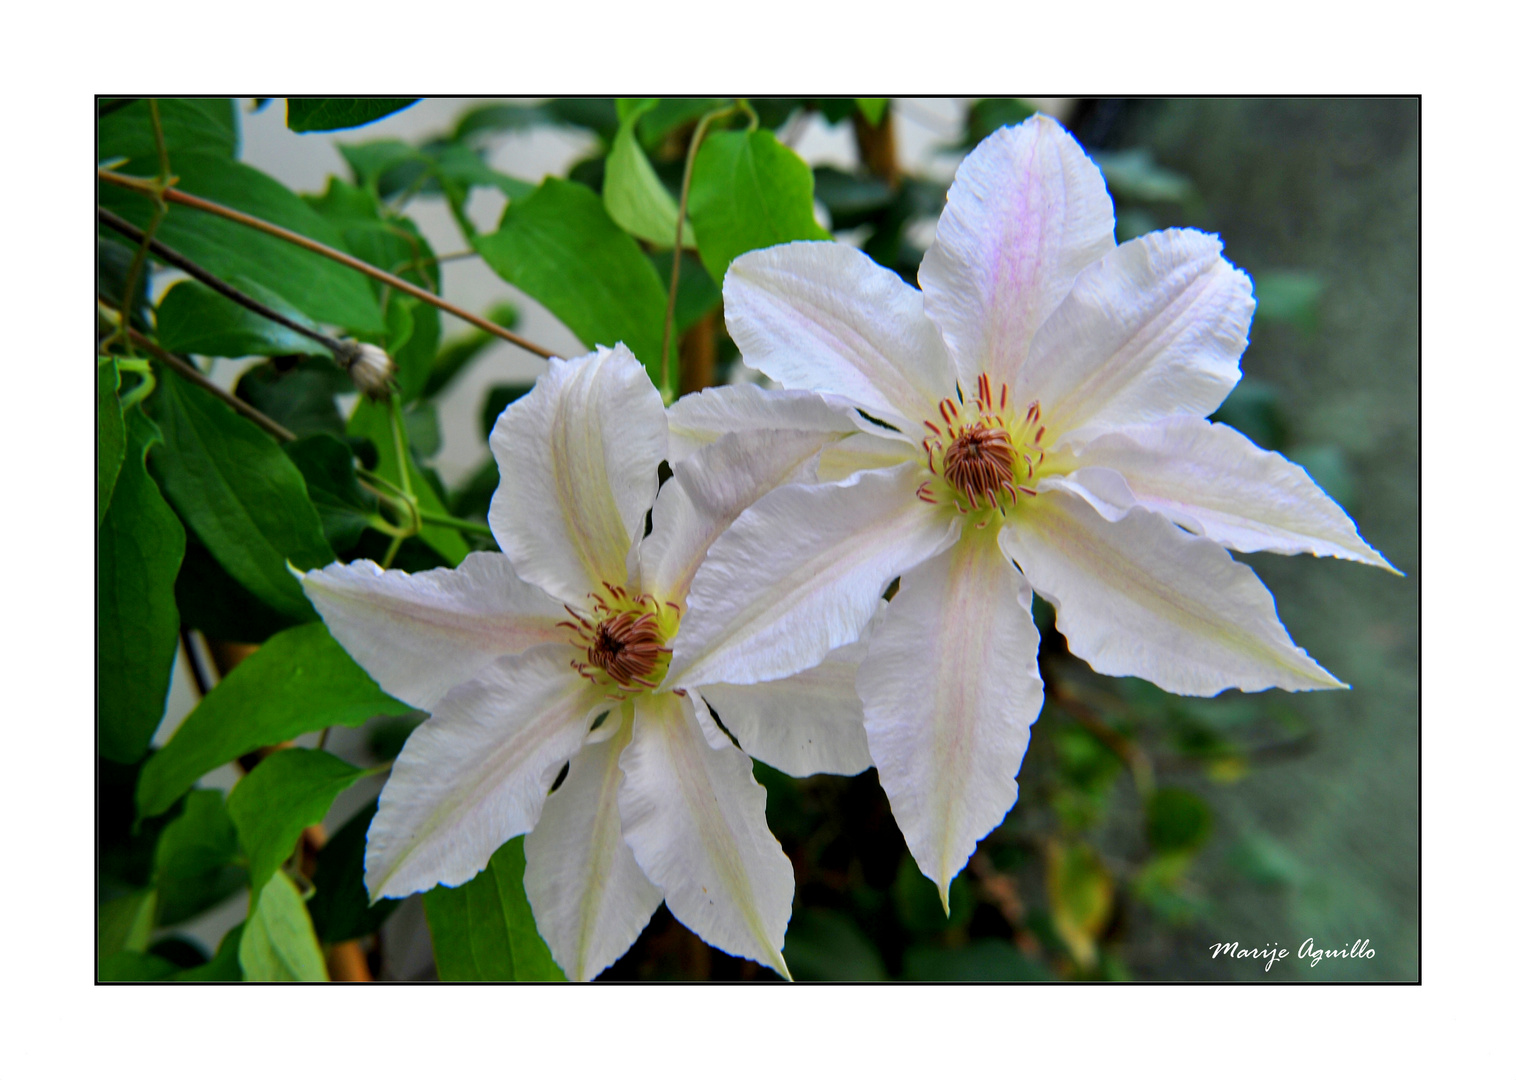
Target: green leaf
x,y
1133,174
483,930
243,498
1255,408
827,946
988,115
301,397
299,681
274,803
669,114
919,905
413,356
1177,820
340,908
372,421
698,294
749,191
224,966
327,292
345,505
1329,467
873,109
193,318
335,114
195,862
560,247
140,547
457,353
634,196
210,600
126,922
279,944
380,238
987,960
110,435
200,125
1081,895
1292,296
458,165
134,967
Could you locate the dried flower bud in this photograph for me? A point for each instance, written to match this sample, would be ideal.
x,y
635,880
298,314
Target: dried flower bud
x,y
370,368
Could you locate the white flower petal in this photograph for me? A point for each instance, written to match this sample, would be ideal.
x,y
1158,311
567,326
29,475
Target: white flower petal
x,y
420,635
1026,213
693,816
709,490
578,470
1155,329
800,573
1141,596
475,774
1213,481
860,452
824,316
808,723
697,420
950,691
589,897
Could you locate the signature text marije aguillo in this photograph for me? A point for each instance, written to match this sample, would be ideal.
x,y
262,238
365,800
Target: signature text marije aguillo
x,y
1359,950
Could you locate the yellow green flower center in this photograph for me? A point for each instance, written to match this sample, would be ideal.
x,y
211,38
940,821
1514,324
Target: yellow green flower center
x,y
624,638
979,459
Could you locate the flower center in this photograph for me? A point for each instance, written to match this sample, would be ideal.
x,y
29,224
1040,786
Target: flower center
x,y
985,461
623,638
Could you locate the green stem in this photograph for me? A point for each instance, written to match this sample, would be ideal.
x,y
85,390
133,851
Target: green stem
x,y
160,208
434,518
668,375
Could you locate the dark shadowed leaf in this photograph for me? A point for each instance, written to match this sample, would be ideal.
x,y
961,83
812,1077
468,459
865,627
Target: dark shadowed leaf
x,y
561,247
989,114
141,545
698,294
987,960
335,114
301,394
244,499
456,354
126,922
278,942
827,946
326,291
135,967
414,354
497,401
749,191
345,505
483,931
223,967
340,909
286,792
1254,408
195,864
210,600
1177,820
110,435
1292,296
299,681
1133,174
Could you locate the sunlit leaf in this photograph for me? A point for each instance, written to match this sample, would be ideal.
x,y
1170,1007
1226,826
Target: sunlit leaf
x,y
483,931
286,793
299,681
749,191
140,547
278,943
560,247
634,196
873,109
1082,897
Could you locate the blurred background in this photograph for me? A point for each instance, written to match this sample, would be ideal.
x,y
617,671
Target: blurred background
x,y
1149,827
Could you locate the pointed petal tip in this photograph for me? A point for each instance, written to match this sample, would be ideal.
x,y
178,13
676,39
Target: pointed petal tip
x,y
782,968
942,893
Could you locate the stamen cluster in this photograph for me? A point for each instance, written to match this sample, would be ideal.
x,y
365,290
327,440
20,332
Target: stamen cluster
x,y
623,638
986,462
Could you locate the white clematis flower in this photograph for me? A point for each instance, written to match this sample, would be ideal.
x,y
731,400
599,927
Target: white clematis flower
x,y
1043,395
554,652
